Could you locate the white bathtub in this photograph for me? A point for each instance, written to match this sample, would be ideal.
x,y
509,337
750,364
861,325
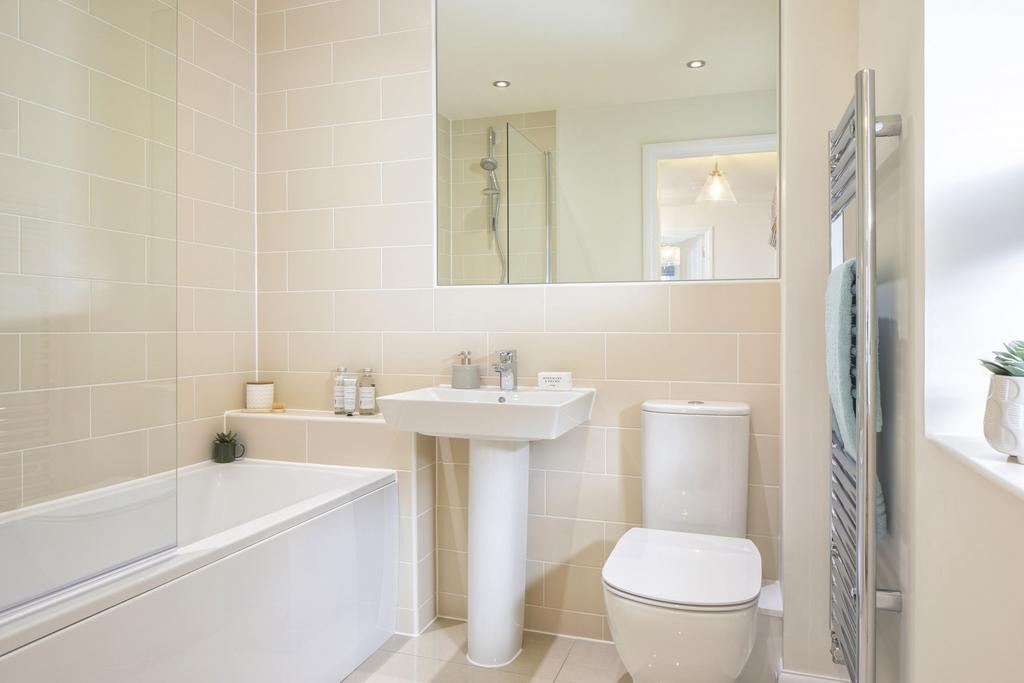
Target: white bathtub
x,y
283,572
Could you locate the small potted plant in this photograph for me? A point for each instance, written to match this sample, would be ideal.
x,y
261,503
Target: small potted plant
x,y
225,447
1004,410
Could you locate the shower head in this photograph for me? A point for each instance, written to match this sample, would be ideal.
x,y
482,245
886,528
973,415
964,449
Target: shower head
x,y
489,164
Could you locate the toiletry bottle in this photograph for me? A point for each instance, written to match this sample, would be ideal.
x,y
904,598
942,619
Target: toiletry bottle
x,y
465,375
339,391
351,397
367,393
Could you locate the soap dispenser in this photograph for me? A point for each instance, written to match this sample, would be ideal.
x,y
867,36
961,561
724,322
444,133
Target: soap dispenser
x,y
465,375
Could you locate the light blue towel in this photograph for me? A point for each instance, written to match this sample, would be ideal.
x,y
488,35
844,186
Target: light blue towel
x,y
841,368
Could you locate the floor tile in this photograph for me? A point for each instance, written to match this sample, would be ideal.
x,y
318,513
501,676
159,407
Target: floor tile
x,y
590,662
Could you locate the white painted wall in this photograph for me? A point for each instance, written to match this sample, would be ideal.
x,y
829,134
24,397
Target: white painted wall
x,y
819,44
599,172
740,237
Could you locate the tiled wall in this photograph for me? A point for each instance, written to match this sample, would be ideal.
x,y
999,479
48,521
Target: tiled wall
x,y
87,256
365,442
216,215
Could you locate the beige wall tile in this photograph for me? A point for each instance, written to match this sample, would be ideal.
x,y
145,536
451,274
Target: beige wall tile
x,y
451,572
334,269
225,143
41,191
270,32
245,352
404,15
203,353
9,17
576,624
245,190
405,310
294,68
617,403
161,355
132,308
763,400
201,265
150,20
384,226
407,181
245,28
48,23
224,226
333,187
763,510
270,439
10,244
32,304
215,14
387,55
271,112
203,178
218,310
690,357
608,308
10,362
452,528
126,407
333,104
769,549
407,267
733,307
764,460
205,92
389,140
70,251
221,56
56,416
295,230
759,357
58,471
428,354
324,351
296,311
573,588
305,390
131,109
272,191
295,149
453,485
580,450
273,351
331,21
502,309
8,125
194,439
406,95
593,496
624,454
43,77
63,360
272,272
216,394
565,541
121,206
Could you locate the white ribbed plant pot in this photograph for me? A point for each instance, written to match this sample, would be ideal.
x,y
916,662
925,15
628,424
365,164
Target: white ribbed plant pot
x,y
1004,415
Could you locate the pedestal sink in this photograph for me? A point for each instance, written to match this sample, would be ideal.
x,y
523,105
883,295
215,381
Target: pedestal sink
x,y
499,425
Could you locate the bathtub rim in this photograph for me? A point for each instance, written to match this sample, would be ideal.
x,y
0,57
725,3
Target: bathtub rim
x,y
37,619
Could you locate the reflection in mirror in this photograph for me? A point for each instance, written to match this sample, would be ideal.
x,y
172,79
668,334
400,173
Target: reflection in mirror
x,y
576,144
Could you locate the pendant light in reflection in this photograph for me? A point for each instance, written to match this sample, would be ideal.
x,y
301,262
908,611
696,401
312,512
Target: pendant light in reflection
x,y
716,188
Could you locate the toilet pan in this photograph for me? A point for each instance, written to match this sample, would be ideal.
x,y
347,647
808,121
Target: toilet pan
x,y
682,607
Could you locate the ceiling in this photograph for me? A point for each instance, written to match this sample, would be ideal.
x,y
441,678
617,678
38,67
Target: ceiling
x,y
577,53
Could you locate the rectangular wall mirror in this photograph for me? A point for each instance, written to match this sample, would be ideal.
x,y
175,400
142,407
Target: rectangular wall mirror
x,y
606,140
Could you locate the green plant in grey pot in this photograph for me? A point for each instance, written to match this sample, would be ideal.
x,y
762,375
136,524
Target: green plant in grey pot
x,y
1004,408
225,447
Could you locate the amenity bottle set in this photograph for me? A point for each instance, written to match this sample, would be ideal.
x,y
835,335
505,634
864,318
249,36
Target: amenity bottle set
x,y
354,396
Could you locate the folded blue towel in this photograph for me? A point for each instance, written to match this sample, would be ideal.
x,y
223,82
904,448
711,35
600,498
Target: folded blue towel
x,y
841,368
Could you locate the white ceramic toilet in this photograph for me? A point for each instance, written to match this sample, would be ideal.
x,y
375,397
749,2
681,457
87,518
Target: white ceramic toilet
x,y
681,592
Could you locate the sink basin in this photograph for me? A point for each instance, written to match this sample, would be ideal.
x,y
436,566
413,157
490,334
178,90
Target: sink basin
x,y
500,426
488,413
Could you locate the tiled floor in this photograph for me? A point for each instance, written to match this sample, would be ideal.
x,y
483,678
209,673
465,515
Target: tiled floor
x,y
439,655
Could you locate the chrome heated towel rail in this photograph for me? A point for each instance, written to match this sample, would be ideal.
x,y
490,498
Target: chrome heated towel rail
x,y
854,597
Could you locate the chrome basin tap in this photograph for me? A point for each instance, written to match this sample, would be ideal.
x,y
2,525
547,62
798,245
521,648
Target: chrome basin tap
x,y
506,367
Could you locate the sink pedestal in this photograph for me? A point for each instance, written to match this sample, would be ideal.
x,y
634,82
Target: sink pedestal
x,y
498,489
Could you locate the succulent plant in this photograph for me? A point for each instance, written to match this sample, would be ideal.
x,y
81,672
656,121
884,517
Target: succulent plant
x,y
1009,362
226,437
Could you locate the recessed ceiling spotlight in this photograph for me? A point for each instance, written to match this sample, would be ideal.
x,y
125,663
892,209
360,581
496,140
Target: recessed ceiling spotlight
x,y
501,84
696,64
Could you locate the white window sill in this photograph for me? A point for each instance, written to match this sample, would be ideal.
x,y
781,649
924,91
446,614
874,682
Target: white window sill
x,y
975,452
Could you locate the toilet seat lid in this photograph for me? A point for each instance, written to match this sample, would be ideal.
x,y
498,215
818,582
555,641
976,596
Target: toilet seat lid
x,y
685,569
